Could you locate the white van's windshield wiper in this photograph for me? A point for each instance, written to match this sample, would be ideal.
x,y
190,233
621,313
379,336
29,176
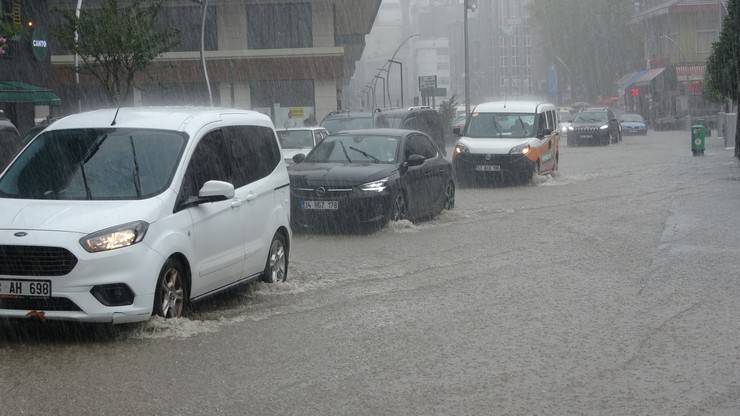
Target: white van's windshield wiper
x,y
90,153
137,180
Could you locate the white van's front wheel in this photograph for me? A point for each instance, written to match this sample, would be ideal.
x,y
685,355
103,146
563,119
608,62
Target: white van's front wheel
x,y
276,269
170,297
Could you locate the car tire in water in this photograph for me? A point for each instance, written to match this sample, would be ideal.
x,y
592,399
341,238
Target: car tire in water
x,y
449,197
171,293
399,208
276,266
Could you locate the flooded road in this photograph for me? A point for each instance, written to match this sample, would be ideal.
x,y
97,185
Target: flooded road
x,y
610,288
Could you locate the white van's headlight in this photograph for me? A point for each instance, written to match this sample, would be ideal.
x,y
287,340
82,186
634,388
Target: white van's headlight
x,y
375,186
522,149
115,237
604,127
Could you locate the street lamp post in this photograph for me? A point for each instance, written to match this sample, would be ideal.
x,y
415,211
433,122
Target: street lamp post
x,y
394,61
204,6
467,60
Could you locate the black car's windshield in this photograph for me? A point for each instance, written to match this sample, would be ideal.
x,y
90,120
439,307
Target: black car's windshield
x,y
356,149
296,139
94,164
632,118
591,117
335,125
501,125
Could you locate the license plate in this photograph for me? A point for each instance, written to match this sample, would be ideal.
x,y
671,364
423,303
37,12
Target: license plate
x,y
587,136
330,205
488,168
35,288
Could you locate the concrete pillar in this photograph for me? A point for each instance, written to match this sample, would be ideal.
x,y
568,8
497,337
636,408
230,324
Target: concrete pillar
x,y
325,95
242,97
136,97
322,24
232,26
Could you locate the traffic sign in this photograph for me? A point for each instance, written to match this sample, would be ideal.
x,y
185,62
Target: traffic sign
x,y
427,81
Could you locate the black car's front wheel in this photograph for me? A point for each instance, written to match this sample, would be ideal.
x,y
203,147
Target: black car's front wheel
x,y
399,209
449,202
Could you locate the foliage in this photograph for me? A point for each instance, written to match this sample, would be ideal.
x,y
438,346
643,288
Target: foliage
x,y
721,81
592,44
8,31
448,109
116,41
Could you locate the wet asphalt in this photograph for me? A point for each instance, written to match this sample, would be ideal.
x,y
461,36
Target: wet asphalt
x,y
612,288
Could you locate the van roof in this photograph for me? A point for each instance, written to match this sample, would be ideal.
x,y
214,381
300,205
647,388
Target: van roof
x,y
185,119
513,107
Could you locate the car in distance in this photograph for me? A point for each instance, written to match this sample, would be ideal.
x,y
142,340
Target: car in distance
x,y
633,125
112,216
348,120
508,141
565,117
423,119
595,126
369,177
299,140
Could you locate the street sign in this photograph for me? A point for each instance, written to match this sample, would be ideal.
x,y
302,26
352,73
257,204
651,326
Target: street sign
x,y
427,81
434,92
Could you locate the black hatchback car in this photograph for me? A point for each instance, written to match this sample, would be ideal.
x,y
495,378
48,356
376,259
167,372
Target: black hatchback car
x,y
596,126
370,177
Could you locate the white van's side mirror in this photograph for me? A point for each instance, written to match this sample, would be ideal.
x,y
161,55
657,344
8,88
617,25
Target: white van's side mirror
x,y
213,191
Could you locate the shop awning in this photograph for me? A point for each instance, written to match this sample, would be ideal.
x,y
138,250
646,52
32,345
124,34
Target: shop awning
x,y
649,76
20,92
629,79
686,73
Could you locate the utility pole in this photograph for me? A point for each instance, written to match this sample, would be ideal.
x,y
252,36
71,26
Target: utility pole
x,y
400,65
467,60
737,74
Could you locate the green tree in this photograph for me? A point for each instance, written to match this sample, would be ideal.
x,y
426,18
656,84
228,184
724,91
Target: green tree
x,y
117,40
448,109
723,70
591,42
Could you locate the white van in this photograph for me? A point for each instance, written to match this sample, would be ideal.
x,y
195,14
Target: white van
x,y
508,139
113,217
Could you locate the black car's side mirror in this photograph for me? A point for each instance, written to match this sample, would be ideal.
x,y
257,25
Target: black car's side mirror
x,y
299,158
415,160
457,131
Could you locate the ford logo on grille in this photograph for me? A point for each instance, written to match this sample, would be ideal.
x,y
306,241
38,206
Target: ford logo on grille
x,y
20,234
321,190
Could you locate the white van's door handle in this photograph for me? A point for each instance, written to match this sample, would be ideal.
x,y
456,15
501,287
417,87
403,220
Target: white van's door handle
x,y
236,203
251,196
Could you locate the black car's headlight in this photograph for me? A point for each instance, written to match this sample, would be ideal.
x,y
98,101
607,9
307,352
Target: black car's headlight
x,y
115,237
376,186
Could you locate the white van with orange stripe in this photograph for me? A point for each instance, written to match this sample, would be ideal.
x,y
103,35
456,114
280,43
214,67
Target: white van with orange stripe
x,y
508,140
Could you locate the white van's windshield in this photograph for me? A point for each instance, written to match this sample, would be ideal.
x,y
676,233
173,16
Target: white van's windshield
x,y
501,125
94,164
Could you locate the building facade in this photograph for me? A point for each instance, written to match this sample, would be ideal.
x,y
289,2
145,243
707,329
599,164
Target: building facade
x,y
678,37
289,60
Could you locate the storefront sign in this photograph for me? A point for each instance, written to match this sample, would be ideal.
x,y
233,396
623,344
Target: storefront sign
x,y
39,44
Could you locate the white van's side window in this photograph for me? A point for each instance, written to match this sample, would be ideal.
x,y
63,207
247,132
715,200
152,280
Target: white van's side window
x,y
209,163
253,151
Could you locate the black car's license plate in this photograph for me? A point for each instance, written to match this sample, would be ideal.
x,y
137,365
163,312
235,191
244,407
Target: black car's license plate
x,y
320,205
35,288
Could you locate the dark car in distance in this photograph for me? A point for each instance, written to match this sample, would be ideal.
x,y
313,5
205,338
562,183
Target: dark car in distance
x,y
348,120
369,177
634,125
595,126
423,119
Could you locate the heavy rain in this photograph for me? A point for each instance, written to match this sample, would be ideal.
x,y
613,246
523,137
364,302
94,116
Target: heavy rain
x,y
369,207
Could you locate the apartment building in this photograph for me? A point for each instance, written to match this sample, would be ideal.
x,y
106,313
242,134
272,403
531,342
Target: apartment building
x,y
290,60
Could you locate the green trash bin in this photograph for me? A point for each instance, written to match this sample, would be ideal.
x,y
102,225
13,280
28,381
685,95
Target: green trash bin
x,y
698,138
